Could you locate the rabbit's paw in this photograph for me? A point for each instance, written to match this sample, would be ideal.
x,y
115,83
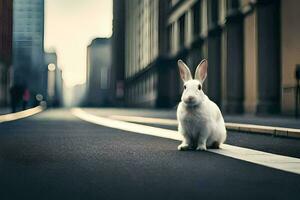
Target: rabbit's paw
x,y
201,148
183,147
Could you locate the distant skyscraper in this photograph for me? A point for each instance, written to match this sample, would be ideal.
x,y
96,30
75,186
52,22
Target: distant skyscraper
x,y
98,72
28,43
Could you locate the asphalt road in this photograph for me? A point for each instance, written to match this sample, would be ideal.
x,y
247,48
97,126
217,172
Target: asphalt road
x,y
54,155
267,143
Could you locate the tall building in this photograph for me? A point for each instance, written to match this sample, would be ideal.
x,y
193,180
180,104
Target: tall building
x,y
6,11
118,56
28,44
251,46
145,66
98,83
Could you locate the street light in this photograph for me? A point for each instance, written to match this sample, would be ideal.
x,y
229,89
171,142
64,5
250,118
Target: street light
x,y
51,67
51,82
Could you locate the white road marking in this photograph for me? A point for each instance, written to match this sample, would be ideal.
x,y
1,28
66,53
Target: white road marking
x,y
284,163
126,126
21,114
146,120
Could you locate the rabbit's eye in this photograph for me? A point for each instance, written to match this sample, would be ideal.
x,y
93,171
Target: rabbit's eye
x,y
199,87
184,86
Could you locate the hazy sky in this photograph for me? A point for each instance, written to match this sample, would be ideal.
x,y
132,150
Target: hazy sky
x,y
70,25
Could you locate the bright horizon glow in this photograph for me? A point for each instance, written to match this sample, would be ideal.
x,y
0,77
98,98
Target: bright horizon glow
x,y
69,28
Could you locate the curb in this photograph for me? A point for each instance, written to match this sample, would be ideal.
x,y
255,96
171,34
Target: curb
x,y
21,114
270,130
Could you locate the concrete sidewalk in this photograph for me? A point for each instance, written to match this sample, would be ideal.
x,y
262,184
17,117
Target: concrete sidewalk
x,y
278,121
5,110
21,114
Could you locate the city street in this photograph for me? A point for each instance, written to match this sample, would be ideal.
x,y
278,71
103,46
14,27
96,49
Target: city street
x,y
56,155
89,92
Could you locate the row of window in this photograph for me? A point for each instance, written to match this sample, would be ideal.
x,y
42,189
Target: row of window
x,y
144,88
141,35
29,9
29,16
201,16
25,4
28,29
101,80
31,39
188,26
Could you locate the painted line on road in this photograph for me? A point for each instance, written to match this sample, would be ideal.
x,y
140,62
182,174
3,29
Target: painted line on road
x,y
252,128
126,126
146,120
21,114
284,163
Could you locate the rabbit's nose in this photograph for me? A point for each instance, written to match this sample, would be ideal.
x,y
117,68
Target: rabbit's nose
x,y
190,98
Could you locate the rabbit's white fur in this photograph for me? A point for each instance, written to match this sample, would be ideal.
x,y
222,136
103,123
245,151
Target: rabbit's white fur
x,y
200,120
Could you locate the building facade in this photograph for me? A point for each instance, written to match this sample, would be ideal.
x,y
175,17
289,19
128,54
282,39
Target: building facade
x,y
118,55
98,83
251,47
144,53
6,12
28,44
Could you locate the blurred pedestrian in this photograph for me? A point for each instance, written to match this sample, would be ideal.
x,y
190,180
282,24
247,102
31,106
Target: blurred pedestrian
x,y
16,92
13,98
26,97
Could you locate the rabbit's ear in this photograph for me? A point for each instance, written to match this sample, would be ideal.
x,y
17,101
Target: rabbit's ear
x,y
201,71
184,71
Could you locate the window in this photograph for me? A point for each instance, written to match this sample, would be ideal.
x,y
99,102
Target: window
x,y
212,12
232,4
104,78
181,31
169,40
196,18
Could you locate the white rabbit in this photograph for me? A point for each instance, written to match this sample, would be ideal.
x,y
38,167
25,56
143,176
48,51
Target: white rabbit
x,y
200,120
